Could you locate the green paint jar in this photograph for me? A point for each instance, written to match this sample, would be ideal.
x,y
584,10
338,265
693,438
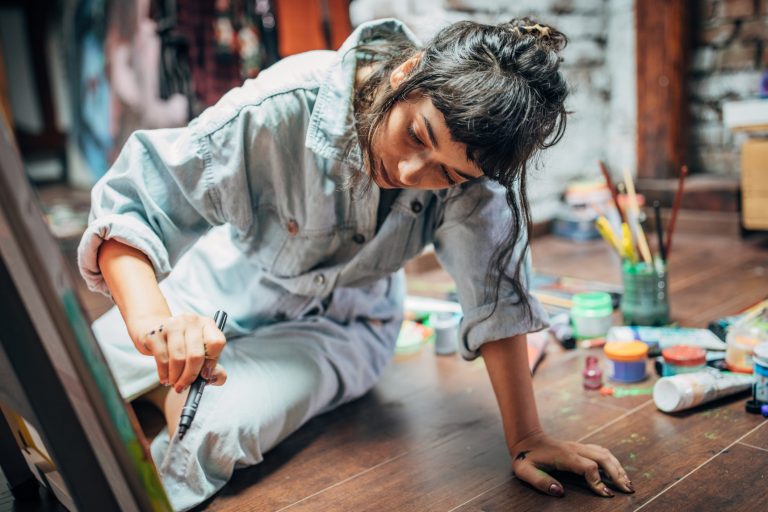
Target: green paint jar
x,y
645,300
591,314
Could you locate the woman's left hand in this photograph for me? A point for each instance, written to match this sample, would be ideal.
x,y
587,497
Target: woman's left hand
x,y
538,453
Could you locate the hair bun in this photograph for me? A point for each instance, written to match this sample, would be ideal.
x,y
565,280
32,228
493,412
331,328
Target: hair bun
x,y
546,35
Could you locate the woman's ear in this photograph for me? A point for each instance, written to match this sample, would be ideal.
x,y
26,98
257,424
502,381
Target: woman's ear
x,y
401,72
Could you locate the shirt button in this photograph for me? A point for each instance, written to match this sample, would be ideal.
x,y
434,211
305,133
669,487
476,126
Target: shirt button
x,y
358,238
293,227
319,279
416,206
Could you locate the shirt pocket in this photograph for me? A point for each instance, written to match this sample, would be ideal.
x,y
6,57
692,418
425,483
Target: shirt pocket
x,y
284,248
400,237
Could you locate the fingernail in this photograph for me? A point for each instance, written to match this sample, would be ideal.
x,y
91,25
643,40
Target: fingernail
x,y
206,373
630,486
556,490
608,492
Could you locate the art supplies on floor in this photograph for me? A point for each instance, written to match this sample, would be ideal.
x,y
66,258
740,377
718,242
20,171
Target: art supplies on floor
x,y
673,394
556,292
658,338
436,321
721,325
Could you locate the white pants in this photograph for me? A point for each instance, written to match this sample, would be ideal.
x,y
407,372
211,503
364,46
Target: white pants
x,y
279,376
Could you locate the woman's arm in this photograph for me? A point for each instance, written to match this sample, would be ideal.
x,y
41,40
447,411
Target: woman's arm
x,y
181,344
533,452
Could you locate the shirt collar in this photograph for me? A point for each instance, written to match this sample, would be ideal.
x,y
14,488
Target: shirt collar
x,y
331,131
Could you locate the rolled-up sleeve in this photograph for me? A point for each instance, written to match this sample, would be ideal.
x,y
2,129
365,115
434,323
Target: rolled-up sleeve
x,y
476,219
165,190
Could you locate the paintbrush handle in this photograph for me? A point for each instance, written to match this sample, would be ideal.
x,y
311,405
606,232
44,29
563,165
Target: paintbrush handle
x,y
642,243
659,233
612,189
675,209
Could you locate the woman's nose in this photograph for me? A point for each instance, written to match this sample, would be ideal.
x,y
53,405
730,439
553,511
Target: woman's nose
x,y
410,170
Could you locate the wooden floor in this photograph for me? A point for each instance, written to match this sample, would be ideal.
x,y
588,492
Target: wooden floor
x,y
429,437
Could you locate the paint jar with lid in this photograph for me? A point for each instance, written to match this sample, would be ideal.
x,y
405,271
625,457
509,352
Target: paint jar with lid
x,y
683,359
741,341
645,300
446,326
591,314
760,360
628,360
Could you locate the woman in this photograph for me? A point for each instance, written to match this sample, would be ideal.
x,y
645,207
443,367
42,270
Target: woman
x,y
293,203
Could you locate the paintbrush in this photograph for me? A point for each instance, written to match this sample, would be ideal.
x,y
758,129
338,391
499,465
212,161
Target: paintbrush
x,y
642,243
659,233
614,194
675,208
604,228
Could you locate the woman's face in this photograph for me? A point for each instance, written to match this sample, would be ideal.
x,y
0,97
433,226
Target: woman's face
x,y
413,149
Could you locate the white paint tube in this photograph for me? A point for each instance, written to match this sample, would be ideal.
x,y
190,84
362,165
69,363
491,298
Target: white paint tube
x,y
680,392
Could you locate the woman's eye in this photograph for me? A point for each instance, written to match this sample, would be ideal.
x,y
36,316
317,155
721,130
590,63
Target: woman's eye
x,y
448,178
414,137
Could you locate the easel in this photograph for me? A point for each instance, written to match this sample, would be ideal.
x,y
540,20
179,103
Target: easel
x,y
53,374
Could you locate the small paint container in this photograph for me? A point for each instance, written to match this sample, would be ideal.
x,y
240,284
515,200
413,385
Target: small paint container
x,y
591,314
741,342
592,375
628,360
446,326
683,359
760,360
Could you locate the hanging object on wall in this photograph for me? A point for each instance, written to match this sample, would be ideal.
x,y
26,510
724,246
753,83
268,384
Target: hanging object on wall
x,y
91,87
175,73
134,52
305,25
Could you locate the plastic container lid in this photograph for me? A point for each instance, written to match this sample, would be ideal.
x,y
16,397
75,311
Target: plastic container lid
x,y
626,351
684,355
667,396
592,304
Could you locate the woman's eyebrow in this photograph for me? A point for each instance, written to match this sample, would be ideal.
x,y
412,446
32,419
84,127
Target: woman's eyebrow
x,y
430,132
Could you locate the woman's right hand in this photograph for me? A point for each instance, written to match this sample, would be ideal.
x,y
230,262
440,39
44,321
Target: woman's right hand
x,y
183,346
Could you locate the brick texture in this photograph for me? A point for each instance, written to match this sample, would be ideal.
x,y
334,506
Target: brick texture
x,y
738,8
737,56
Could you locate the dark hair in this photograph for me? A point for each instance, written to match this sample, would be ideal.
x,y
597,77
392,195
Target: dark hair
x,y
501,92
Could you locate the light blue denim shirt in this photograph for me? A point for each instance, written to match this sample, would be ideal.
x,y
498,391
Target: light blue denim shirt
x,y
257,188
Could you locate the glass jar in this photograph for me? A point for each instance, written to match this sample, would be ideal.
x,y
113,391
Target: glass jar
x,y
645,300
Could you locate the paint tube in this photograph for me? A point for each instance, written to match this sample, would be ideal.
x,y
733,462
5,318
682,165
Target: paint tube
x,y
658,338
672,394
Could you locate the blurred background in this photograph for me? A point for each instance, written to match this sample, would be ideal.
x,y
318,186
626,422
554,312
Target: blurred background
x,y
653,82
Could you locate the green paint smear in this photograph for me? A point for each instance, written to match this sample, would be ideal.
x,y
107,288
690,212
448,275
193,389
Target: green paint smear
x,y
115,406
620,392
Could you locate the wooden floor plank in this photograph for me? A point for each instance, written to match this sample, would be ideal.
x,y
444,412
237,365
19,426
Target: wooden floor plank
x,y
734,480
758,438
